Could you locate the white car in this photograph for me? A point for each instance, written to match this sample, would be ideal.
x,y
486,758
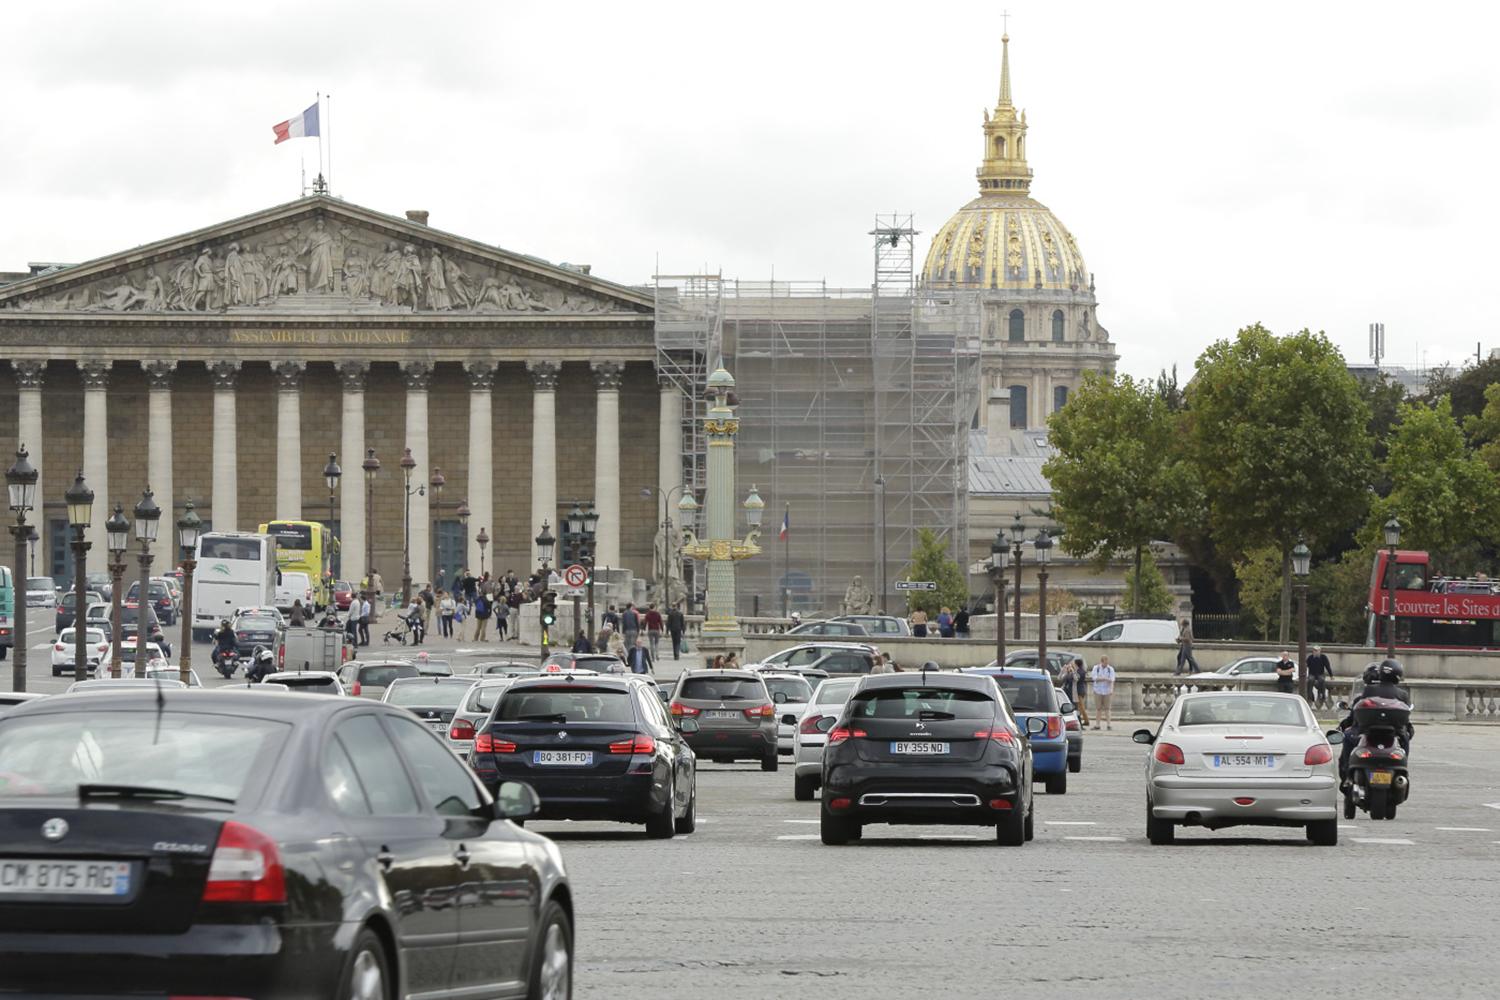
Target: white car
x,y
121,683
791,694
173,674
1240,758
95,644
307,681
294,586
474,713
1134,630
154,657
41,592
1258,670
97,616
811,737
807,653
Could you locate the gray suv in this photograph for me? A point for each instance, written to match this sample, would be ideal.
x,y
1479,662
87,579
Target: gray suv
x,y
735,713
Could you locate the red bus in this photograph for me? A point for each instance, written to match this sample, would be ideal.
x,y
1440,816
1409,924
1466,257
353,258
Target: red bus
x,y
1432,611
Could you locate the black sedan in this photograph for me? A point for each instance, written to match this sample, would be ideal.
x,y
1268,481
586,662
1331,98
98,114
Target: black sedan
x,y
593,747
256,628
927,748
234,843
434,700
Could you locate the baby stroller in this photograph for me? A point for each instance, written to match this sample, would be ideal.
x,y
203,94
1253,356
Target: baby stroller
x,y
407,628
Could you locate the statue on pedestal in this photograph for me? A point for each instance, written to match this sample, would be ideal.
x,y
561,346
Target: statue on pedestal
x,y
857,598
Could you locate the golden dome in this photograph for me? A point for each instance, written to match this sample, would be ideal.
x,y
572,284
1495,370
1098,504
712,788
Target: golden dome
x,y
1004,239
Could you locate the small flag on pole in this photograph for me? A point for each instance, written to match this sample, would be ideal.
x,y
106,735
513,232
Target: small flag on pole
x,y
786,525
305,124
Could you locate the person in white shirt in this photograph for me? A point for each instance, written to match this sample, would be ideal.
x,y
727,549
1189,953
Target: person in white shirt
x,y
1103,677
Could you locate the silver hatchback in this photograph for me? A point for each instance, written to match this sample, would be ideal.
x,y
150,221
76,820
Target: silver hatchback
x,y
735,714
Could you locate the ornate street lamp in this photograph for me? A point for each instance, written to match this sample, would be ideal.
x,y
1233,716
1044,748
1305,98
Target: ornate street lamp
x,y
117,531
998,552
482,539
1392,540
1043,547
1301,567
463,513
1017,537
437,482
331,475
20,482
544,542
588,523
147,518
408,465
371,467
189,527
80,501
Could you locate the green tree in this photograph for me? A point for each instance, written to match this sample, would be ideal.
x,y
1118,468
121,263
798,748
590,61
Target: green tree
x,y
1259,577
1117,481
931,561
1278,431
1148,593
1467,388
1484,428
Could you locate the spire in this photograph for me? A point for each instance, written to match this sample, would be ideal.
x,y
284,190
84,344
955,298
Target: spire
x,y
1003,169
1004,71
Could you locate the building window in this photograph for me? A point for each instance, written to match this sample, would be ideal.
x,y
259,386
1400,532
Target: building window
x,y
1057,326
1018,407
1059,397
1017,326
1000,147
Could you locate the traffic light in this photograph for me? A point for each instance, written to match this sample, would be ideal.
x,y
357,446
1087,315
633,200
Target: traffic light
x,y
549,607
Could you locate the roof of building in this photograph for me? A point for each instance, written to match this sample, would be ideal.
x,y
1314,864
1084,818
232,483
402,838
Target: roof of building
x,y
1008,475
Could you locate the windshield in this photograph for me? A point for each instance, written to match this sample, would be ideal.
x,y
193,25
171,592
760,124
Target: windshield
x,y
922,702
723,689
484,697
39,583
314,685
229,548
834,692
1027,694
426,694
566,705
796,689
127,651
291,536
255,621
175,751
1237,710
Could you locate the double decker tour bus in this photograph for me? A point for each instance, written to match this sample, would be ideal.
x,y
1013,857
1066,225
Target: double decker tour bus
x,y
306,547
1432,611
236,570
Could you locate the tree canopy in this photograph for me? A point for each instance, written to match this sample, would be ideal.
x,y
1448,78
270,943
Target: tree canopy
x,y
931,561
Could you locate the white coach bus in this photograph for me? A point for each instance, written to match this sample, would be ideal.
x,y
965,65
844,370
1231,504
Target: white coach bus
x,y
236,569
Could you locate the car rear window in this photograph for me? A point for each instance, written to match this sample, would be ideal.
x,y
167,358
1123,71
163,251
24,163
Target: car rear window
x,y
483,699
835,693
570,704
427,695
1027,694
795,688
174,751
382,676
723,689
912,702
1237,710
312,685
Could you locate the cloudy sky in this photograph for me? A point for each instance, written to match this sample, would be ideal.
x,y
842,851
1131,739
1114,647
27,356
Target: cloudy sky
x,y
1301,164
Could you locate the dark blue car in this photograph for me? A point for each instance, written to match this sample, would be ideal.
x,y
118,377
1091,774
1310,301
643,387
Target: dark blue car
x,y
1029,692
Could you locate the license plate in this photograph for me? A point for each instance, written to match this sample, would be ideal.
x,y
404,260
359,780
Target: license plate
x,y
1244,760
572,758
64,878
1380,778
721,715
930,749
441,728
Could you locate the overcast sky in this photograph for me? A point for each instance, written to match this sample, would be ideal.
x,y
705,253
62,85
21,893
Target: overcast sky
x,y
1302,164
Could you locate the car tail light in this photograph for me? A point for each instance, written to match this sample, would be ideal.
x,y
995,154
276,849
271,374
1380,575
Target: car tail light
x,y
463,729
841,733
60,648
1318,753
809,725
998,735
242,635
1362,753
355,689
280,657
246,868
1054,726
485,743
840,803
1000,803
760,712
640,744
1071,725
1169,753
679,709
1244,800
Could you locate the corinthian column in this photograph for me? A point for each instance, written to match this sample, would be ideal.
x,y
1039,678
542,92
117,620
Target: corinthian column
x,y
543,448
159,435
225,509
668,447
95,442
289,439
607,378
418,375
481,462
352,525
30,378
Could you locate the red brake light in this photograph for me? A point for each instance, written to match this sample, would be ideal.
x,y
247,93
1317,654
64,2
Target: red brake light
x,y
485,743
1169,753
1071,725
809,725
355,689
841,733
463,729
60,648
679,709
246,868
1054,726
640,744
760,712
1318,753
998,735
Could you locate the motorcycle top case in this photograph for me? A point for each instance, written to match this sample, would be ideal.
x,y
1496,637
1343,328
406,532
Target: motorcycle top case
x,y
1376,713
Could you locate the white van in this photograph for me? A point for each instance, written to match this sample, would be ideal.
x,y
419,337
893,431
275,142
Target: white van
x,y
1134,631
294,587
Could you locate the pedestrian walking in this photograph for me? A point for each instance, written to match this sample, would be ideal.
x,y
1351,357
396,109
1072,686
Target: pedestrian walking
x,y
630,625
919,623
377,585
1103,676
447,608
653,629
482,611
428,600
1286,674
676,626
582,644
297,617
1076,685
961,623
502,621
1185,648
1320,673
945,623
611,617
639,658
731,661
366,612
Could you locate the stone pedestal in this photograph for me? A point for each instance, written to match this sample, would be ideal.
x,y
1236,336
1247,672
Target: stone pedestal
x,y
710,646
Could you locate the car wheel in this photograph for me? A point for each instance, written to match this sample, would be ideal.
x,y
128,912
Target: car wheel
x,y
689,821
1075,764
1348,805
1390,807
1375,802
770,763
1324,833
803,786
1031,819
1057,784
1159,831
1011,832
837,830
663,824
368,976
552,964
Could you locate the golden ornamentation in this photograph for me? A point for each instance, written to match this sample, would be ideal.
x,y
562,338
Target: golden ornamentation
x,y
721,426
721,550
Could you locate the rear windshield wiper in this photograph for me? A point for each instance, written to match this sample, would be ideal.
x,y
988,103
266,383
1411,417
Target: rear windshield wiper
x,y
540,718
934,715
100,791
734,697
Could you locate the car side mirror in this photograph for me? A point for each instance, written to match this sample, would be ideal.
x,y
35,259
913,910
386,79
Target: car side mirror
x,y
1036,726
516,800
1067,708
779,697
1343,706
1335,737
688,725
1143,736
1234,671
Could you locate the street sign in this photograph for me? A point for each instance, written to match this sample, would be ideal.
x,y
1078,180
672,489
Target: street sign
x,y
575,576
916,585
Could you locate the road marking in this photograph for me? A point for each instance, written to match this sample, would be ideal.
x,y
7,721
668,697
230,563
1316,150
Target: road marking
x,y
1347,826
1491,805
1393,841
1464,829
1070,822
1111,839
948,836
802,821
799,836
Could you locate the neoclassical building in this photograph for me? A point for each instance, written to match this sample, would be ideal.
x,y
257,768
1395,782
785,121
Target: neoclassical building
x,y
225,365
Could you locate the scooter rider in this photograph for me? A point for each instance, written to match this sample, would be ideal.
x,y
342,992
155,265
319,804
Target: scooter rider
x,y
1381,680
223,641
263,665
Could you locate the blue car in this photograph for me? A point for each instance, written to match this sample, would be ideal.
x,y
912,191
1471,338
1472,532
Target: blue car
x,y
1030,692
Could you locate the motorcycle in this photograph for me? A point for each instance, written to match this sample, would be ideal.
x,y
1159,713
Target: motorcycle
x,y
227,662
1378,780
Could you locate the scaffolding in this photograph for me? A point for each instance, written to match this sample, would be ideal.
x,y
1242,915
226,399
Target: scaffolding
x,y
689,345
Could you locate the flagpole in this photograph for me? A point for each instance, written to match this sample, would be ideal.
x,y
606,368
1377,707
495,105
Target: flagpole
x,y
328,126
786,562
318,103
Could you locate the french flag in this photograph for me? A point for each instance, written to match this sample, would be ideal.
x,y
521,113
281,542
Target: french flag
x,y
786,525
305,124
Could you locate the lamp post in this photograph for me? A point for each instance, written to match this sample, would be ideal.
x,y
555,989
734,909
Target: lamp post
x,y
80,501
1301,566
118,531
586,557
371,465
408,465
331,475
687,516
880,535
544,543
1043,546
1392,539
482,539
1017,531
437,482
189,527
20,483
147,516
998,550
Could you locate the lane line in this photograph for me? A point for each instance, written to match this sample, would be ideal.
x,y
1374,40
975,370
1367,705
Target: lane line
x,y
1491,805
948,836
1347,826
1071,822
1100,839
1464,829
799,836
1392,841
802,821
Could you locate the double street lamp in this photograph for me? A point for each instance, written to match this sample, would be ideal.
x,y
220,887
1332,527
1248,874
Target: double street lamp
x,y
20,482
1017,537
482,539
437,482
371,465
147,520
1301,567
408,465
117,533
1043,546
80,502
998,552
331,475
189,527
1392,539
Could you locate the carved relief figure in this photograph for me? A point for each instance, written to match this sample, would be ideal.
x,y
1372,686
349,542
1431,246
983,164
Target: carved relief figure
x,y
318,248
356,275
237,291
459,286
203,281
119,298
155,293
437,283
383,274
284,273
408,277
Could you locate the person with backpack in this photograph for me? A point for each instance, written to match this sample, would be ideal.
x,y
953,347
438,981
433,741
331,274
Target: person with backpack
x,y
502,620
481,616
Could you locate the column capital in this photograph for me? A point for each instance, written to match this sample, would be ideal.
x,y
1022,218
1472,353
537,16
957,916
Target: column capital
x,y
159,375
29,374
544,375
95,374
224,374
481,375
608,375
289,375
417,374
352,374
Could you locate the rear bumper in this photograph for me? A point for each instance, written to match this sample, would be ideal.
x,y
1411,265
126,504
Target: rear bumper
x,y
625,798
730,744
1049,758
923,795
1274,802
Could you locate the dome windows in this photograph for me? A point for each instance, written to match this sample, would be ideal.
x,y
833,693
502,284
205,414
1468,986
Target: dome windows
x,y
1017,333
1057,326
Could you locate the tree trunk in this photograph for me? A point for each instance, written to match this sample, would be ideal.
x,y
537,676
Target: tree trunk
x,y
1138,587
1286,592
